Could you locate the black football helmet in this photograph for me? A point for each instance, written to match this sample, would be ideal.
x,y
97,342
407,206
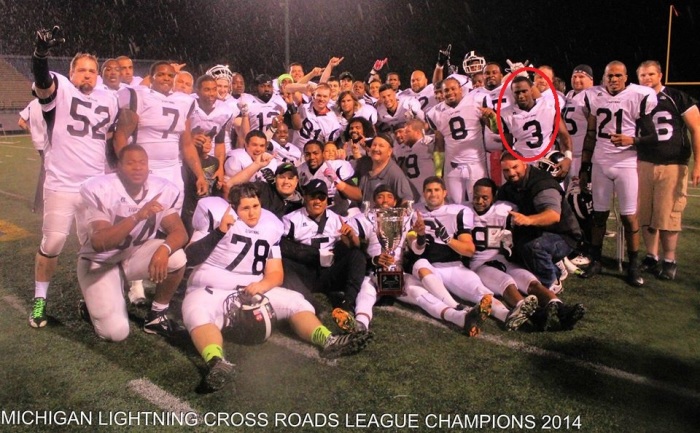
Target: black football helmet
x,y
550,162
581,202
248,319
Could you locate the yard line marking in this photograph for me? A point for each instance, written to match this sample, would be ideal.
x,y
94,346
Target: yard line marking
x,y
17,196
10,143
159,397
144,388
300,348
598,368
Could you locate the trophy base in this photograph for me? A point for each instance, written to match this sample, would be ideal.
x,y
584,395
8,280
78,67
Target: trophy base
x,y
390,283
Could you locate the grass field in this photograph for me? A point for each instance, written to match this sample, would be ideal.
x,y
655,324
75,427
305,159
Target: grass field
x,y
632,364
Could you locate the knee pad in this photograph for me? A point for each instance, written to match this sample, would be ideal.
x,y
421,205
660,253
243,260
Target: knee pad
x,y
177,261
422,264
115,331
600,219
52,244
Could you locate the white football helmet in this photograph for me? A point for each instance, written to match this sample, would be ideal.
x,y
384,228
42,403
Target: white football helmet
x,y
550,162
473,63
249,319
220,71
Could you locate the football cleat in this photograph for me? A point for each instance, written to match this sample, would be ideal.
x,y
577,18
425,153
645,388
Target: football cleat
x,y
37,318
158,322
563,272
668,270
220,372
347,344
345,320
593,269
83,311
581,260
650,265
569,315
634,277
137,294
551,322
556,287
521,313
476,316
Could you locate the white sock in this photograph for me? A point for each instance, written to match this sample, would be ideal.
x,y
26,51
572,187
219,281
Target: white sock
x,y
498,310
434,285
362,318
157,307
455,316
41,288
364,302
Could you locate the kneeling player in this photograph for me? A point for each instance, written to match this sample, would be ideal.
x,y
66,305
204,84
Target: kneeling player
x,y
122,244
240,251
505,278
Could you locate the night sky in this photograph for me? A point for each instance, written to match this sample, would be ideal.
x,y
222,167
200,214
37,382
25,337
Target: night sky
x,y
249,34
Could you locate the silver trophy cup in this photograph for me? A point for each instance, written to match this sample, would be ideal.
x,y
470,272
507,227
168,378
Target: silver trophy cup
x,y
392,227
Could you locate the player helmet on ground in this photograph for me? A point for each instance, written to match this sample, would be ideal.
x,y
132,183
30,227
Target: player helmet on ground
x,y
581,202
248,319
473,63
220,71
550,162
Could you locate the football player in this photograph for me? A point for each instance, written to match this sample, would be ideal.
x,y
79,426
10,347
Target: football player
x,y
125,211
417,156
317,250
110,76
421,90
610,146
79,119
394,111
458,130
349,106
492,238
315,121
442,245
126,72
575,114
331,172
529,124
236,248
265,110
251,163
663,155
365,234
184,83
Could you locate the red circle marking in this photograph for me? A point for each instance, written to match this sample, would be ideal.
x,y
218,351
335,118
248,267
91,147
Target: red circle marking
x,y
557,116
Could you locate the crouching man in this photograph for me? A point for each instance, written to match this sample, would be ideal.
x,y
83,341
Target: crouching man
x,y
124,212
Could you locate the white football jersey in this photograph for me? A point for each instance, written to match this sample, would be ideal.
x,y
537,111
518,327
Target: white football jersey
x,y
426,96
417,160
618,114
242,251
232,104
492,140
575,115
162,121
456,219
323,235
238,159
408,108
343,169
322,127
34,117
213,124
261,113
488,230
107,200
531,129
288,153
77,126
366,111
366,229
461,127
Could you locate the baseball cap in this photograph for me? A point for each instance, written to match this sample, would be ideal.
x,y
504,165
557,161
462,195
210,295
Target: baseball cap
x,y
285,77
584,69
287,166
386,138
263,78
316,186
383,188
346,76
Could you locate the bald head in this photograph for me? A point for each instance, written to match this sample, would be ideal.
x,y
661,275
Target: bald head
x,y
418,81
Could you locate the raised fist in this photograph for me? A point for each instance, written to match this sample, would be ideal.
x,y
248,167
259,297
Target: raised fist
x,y
444,55
243,107
47,39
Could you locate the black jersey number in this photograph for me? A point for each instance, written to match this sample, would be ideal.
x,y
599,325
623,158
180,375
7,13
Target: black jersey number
x,y
146,233
607,117
570,123
260,252
307,130
409,164
169,111
480,235
261,119
536,134
97,134
457,128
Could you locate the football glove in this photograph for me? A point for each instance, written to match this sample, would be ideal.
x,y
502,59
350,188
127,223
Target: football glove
x,y
330,174
47,39
379,64
444,55
243,107
268,175
441,232
514,66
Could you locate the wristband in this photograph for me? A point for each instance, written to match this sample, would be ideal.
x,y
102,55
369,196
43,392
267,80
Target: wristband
x,y
170,250
568,154
375,261
292,109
